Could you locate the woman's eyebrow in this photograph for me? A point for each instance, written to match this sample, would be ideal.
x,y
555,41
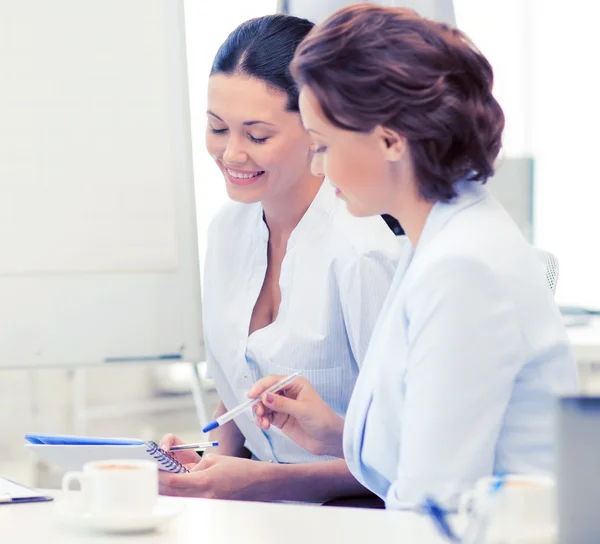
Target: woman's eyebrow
x,y
246,123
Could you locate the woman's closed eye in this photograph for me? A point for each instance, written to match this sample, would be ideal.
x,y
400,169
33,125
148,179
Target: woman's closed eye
x,y
250,137
320,149
257,140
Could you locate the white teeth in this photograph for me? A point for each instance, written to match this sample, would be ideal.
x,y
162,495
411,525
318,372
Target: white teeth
x,y
238,175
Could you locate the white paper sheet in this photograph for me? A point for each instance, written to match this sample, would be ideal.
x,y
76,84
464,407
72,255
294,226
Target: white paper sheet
x,y
15,491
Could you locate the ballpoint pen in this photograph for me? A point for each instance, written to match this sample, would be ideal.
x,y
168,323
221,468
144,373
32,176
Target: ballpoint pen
x,y
439,517
228,416
198,446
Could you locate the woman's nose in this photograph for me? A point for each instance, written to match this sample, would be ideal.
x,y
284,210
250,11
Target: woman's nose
x,y
234,152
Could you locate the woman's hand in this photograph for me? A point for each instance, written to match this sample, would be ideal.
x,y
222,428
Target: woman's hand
x,y
184,456
301,414
219,477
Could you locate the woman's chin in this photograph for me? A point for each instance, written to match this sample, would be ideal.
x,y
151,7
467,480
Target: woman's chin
x,y
244,194
357,210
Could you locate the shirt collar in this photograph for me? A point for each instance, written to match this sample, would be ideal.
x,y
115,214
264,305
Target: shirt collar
x,y
468,193
321,209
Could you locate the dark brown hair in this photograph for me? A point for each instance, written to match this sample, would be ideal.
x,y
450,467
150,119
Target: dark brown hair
x,y
263,48
374,66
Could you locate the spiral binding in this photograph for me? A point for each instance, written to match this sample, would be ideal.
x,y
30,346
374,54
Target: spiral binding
x,y
165,460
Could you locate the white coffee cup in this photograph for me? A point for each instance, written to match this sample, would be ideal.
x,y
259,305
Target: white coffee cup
x,y
117,488
523,509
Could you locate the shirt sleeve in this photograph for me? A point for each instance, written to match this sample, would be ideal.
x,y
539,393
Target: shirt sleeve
x,y
465,350
363,290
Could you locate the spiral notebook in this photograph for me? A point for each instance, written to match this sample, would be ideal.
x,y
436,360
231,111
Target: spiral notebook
x,y
72,452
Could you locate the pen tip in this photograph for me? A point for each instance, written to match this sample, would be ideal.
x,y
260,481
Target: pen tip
x,y
212,425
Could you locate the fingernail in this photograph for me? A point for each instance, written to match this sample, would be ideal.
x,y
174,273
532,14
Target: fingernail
x,y
270,398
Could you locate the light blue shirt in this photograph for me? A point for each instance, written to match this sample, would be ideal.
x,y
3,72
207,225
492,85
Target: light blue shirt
x,y
334,278
468,354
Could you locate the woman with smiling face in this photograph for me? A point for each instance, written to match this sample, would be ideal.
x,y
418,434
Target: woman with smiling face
x,y
293,281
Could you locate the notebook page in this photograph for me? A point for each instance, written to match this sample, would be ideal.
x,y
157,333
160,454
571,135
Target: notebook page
x,y
15,491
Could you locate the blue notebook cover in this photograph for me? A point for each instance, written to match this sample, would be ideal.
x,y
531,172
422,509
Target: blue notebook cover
x,y
65,439
71,452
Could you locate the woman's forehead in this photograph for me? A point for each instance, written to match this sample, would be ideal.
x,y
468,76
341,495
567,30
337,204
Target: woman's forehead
x,y
242,98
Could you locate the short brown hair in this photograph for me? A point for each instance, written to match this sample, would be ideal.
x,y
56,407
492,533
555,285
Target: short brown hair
x,y
370,65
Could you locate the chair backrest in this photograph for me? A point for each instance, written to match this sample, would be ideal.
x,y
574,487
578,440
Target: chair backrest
x,y
550,264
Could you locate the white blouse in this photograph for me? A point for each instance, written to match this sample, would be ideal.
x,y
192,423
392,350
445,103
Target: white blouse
x,y
334,278
467,359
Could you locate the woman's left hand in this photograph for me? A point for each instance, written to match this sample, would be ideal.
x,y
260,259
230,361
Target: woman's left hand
x,y
218,477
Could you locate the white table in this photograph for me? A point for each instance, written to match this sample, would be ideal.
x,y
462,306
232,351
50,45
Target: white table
x,y
586,341
586,346
206,521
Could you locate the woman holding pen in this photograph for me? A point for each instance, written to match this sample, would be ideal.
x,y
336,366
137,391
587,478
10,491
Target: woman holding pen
x,y
293,282
470,350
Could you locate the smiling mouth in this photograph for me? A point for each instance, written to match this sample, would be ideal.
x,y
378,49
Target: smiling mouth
x,y
244,175
240,177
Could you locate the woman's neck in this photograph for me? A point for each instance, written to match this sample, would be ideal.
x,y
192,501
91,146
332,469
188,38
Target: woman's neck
x,y
411,210
284,212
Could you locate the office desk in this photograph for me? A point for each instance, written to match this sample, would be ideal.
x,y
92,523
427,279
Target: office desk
x,y
586,341
586,346
228,522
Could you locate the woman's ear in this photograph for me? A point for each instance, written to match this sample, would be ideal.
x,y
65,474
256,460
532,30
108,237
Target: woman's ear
x,y
394,145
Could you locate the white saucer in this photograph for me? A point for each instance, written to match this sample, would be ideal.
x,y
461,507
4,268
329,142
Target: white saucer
x,y
73,513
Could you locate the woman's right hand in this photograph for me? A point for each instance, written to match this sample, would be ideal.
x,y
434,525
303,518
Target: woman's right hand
x,y
301,414
184,456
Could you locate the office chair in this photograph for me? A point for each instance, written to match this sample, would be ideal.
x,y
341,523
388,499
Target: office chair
x,y
550,264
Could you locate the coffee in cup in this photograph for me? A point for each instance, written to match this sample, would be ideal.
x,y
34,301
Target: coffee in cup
x,y
117,488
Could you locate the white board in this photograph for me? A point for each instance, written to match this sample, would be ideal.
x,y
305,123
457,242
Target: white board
x,y
98,245
319,10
